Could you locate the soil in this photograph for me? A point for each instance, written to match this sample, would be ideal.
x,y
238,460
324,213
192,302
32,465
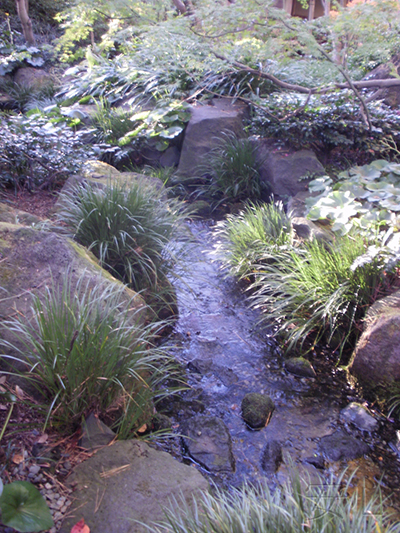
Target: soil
x,y
39,203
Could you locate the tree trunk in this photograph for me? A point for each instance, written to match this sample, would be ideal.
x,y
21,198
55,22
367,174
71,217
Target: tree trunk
x,y
180,6
26,23
311,10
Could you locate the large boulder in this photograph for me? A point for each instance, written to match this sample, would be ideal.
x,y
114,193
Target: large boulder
x,y
31,260
286,171
205,126
376,359
125,487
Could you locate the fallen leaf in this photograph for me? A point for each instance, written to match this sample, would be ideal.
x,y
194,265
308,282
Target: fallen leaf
x,y
2,380
17,458
80,527
142,429
19,392
43,438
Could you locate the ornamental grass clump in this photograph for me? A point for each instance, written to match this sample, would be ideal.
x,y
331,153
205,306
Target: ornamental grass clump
x,y
128,228
320,289
244,237
299,506
85,350
231,170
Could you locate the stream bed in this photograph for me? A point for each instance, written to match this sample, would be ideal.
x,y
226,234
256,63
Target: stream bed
x,y
226,355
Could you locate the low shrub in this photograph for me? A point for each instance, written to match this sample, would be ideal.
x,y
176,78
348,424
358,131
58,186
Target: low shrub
x,y
231,170
128,228
85,351
244,237
36,152
298,506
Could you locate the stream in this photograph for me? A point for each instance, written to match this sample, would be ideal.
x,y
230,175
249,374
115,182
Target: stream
x,y
226,354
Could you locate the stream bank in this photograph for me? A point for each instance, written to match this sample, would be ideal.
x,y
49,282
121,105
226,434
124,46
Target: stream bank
x,y
226,356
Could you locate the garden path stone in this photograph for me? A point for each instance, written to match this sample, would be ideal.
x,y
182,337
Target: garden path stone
x,y
127,483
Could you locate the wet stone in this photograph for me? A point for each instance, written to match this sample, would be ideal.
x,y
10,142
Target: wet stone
x,y
339,445
299,366
208,442
271,457
257,409
357,414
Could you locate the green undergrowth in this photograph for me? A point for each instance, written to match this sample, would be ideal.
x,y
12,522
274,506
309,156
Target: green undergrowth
x,y
130,230
298,506
85,350
311,291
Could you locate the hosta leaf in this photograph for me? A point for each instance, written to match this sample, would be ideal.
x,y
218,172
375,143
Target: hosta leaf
x,y
24,508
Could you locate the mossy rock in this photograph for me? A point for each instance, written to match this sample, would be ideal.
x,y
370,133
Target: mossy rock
x,y
31,260
257,409
299,366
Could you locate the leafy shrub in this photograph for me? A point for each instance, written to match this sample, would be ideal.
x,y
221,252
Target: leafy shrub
x,y
12,57
37,152
326,123
318,289
86,352
231,170
296,507
245,237
128,227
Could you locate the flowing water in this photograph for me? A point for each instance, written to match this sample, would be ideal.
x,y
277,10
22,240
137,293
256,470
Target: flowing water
x,y
226,355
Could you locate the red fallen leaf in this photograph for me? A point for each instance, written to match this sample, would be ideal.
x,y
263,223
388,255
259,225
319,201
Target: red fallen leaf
x,y
80,527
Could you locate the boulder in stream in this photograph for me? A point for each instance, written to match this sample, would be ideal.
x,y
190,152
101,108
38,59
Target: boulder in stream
x,y
208,442
357,414
271,457
299,366
339,445
257,409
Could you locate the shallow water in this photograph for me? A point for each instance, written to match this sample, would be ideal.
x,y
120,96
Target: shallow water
x,y
227,355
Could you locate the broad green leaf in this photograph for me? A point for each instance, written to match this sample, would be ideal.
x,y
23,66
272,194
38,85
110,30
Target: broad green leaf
x,y
366,172
24,508
171,132
393,204
139,116
320,184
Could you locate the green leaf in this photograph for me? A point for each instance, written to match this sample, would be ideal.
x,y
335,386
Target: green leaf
x,y
139,116
24,508
171,132
320,184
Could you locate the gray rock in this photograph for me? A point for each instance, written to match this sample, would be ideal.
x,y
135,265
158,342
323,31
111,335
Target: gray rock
x,y
376,359
339,446
257,409
307,230
271,457
128,483
32,77
95,434
284,170
171,156
300,367
359,415
208,441
206,124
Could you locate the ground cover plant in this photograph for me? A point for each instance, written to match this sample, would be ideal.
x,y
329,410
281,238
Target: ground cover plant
x,y
86,351
297,506
129,229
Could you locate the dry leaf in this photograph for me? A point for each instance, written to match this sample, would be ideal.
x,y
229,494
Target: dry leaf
x,y
142,429
2,380
43,438
19,392
17,458
80,527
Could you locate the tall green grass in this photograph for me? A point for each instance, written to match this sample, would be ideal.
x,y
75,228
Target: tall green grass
x,y
317,289
297,507
232,170
129,228
244,237
85,351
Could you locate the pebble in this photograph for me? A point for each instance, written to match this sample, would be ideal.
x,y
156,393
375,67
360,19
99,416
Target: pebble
x,y
33,470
